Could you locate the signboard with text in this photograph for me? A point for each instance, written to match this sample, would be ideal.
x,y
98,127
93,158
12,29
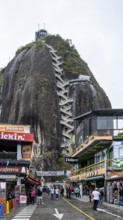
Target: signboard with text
x,y
10,169
50,173
15,128
72,160
16,136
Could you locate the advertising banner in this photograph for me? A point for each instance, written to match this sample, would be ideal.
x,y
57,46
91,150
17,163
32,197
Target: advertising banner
x,y
10,169
23,199
15,128
114,174
50,173
10,177
16,136
26,152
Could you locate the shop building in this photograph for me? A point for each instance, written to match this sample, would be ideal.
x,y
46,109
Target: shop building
x,y
99,148
15,155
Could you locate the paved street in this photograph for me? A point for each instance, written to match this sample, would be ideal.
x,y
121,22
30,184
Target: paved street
x,y
74,209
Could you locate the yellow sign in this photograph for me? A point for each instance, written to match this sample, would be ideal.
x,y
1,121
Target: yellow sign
x,y
15,128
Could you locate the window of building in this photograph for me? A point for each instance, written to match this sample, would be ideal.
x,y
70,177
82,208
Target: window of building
x,y
121,151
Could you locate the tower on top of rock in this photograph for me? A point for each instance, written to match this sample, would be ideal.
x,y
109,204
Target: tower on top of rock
x,y
40,33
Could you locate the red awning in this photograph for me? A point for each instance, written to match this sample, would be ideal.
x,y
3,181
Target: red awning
x,y
33,181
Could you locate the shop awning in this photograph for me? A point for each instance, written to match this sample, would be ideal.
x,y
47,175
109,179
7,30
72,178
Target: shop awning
x,y
94,178
33,181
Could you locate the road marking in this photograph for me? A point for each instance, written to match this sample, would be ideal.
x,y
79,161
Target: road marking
x,y
84,213
103,210
58,215
25,214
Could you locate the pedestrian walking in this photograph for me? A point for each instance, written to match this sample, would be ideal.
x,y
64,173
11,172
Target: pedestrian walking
x,y
52,191
39,196
57,192
33,194
96,197
120,201
79,194
101,196
90,195
69,190
62,191
76,191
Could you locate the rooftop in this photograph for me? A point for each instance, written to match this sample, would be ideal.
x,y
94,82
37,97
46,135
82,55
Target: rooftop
x,y
101,112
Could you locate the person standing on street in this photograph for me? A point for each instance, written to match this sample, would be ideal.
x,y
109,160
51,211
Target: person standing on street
x,y
120,202
90,195
52,191
33,194
96,197
57,192
101,196
39,196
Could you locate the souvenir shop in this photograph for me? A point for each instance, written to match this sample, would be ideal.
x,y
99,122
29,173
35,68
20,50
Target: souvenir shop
x,y
113,183
15,155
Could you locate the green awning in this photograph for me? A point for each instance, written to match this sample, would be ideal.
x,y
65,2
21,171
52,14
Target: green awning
x,y
95,178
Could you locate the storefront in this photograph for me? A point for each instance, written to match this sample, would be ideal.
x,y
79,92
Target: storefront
x,y
15,155
114,182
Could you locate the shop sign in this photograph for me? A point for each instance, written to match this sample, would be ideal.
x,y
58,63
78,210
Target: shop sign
x,y
72,160
23,199
114,174
50,173
16,136
7,176
93,173
82,176
15,128
10,169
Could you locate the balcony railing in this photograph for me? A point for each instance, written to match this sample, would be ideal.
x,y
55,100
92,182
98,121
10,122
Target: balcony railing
x,y
93,167
99,168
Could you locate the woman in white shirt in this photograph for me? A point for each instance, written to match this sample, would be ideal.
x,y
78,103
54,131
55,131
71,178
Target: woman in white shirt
x,y
57,192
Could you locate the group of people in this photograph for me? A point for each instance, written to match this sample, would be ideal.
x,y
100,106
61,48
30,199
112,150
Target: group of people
x,y
35,194
70,191
118,196
56,192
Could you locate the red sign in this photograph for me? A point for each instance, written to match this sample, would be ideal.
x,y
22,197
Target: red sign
x,y
16,136
10,169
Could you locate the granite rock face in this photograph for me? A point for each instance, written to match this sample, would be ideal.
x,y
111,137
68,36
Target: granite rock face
x,y
30,89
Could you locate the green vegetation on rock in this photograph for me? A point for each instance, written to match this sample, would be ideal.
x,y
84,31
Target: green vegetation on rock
x,y
72,62
28,46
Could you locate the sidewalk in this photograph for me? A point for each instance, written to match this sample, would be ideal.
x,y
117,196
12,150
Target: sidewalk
x,y
12,213
86,199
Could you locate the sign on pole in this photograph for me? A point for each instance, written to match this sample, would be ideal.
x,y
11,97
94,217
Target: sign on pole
x,y
72,160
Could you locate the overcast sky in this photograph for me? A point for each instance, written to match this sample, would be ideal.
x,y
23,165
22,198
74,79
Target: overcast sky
x,y
94,26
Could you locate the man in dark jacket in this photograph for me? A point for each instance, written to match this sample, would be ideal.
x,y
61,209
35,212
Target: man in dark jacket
x,y
120,202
